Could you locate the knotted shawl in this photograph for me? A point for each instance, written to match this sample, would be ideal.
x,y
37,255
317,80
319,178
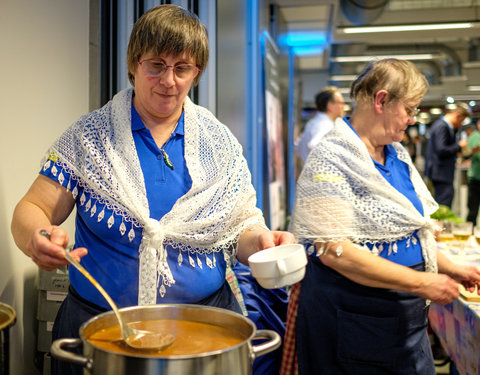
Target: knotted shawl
x,y
342,196
99,151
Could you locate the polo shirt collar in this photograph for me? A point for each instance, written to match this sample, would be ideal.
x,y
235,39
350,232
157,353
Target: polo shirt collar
x,y
138,125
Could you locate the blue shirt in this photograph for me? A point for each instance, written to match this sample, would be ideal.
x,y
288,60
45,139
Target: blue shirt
x,y
112,257
397,173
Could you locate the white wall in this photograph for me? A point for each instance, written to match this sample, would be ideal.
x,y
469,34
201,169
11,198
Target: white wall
x,y
44,65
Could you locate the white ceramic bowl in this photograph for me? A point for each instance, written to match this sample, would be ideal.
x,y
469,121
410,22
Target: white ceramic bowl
x,y
279,266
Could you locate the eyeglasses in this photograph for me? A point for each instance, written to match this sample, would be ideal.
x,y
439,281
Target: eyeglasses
x,y
411,112
156,68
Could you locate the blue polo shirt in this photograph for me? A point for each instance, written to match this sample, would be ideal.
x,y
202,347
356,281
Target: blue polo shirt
x,y
112,256
397,173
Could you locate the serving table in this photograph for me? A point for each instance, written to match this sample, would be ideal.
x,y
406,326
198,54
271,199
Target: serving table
x,y
457,324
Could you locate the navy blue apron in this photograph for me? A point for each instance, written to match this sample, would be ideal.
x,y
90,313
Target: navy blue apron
x,y
344,328
75,310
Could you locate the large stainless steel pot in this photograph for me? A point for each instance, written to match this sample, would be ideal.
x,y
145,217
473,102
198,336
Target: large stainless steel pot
x,y
232,361
8,318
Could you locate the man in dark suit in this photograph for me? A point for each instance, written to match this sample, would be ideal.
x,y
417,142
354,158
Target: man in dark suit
x,y
442,151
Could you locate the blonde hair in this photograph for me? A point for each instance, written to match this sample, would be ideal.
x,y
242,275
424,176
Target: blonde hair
x,y
400,78
168,29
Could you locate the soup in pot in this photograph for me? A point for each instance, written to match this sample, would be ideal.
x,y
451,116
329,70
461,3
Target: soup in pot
x,y
190,337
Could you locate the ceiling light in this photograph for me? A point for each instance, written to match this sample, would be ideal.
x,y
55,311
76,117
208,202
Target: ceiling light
x,y
308,51
435,111
461,78
344,90
417,27
303,43
413,56
466,97
302,39
422,121
471,64
473,88
343,77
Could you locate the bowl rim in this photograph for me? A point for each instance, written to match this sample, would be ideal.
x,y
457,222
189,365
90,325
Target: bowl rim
x,y
11,316
251,258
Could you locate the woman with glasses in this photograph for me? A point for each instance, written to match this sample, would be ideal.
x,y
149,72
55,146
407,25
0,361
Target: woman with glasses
x,y
363,211
163,196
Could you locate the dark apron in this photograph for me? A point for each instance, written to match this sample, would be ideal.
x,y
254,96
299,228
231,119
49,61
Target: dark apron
x,y
347,328
75,310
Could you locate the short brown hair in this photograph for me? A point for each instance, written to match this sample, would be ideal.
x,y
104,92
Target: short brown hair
x,y
462,109
168,29
325,96
400,78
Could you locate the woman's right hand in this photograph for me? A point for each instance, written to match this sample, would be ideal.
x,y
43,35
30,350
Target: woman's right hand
x,y
49,253
46,205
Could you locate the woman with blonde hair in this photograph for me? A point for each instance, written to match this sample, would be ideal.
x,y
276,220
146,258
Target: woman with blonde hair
x,y
363,212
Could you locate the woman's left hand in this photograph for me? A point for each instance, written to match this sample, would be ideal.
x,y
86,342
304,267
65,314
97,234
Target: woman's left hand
x,y
257,239
468,276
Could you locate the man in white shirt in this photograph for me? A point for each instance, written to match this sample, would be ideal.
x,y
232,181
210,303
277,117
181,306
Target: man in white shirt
x,y
330,105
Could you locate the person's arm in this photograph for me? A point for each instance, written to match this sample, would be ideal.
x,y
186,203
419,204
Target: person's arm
x,y
367,269
46,205
257,238
469,276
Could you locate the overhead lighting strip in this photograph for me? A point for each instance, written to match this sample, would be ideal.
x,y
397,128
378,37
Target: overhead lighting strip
x,y
466,97
396,28
343,77
412,57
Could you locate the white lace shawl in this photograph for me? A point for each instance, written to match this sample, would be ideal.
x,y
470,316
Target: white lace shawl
x,y
342,196
100,152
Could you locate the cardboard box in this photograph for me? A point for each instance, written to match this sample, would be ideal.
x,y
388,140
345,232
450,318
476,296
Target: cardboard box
x,y
47,364
56,280
44,338
48,304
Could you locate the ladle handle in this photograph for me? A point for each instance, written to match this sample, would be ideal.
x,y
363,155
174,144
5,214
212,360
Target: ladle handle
x,y
78,266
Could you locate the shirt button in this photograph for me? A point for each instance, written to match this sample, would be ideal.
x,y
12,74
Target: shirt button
x,y
159,157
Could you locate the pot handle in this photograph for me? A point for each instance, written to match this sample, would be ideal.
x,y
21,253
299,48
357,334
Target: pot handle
x,y
266,347
57,351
